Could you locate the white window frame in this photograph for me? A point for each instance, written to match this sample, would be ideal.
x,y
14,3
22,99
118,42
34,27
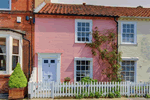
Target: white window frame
x,y
135,32
76,28
135,59
91,66
9,6
9,42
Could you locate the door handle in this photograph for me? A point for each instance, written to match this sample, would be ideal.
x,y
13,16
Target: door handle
x,y
49,65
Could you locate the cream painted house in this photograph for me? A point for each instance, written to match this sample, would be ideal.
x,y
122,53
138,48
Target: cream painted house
x,y
134,43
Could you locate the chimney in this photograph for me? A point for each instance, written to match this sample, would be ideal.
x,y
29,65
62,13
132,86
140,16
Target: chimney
x,y
38,2
139,6
84,3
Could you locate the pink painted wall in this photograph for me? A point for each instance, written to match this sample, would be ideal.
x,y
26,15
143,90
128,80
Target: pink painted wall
x,y
58,35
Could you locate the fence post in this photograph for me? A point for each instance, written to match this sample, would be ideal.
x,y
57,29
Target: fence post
x,y
52,91
128,88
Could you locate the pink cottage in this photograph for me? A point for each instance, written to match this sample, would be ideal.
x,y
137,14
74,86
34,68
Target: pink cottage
x,y
61,31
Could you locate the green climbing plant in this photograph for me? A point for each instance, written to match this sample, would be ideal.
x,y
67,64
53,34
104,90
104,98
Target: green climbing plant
x,y
111,56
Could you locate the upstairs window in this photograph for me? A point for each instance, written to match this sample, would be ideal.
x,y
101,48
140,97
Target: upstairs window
x,y
5,5
128,33
83,28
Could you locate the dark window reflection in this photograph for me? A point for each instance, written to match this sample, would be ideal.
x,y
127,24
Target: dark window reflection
x,y
2,45
14,61
2,63
15,46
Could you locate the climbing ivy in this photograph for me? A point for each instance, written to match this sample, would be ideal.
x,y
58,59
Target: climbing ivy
x,y
113,57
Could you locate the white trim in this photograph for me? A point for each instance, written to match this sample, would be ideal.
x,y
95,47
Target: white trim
x,y
9,40
49,56
135,32
130,58
37,9
90,35
9,6
83,58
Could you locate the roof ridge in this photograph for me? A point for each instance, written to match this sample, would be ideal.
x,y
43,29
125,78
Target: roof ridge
x,y
98,5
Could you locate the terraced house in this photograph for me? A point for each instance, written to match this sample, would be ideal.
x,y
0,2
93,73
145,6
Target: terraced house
x,y
61,31
16,34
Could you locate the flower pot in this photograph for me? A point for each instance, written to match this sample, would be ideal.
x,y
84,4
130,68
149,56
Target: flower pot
x,y
67,81
16,93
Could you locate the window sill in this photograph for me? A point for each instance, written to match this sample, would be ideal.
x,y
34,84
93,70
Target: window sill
x,y
82,42
127,44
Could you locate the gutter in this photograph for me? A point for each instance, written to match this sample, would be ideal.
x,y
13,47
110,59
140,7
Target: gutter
x,y
133,17
29,54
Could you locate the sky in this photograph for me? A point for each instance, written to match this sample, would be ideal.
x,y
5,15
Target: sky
x,y
123,3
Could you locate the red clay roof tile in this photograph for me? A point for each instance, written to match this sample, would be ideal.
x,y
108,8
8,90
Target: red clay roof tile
x,y
74,9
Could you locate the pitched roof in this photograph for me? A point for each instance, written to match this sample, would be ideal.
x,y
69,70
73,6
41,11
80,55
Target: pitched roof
x,y
93,10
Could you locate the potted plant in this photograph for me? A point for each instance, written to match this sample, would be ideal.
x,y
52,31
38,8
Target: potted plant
x,y
67,79
17,83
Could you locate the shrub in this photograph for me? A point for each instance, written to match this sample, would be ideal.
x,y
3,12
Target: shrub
x,y
147,96
86,95
79,96
98,95
111,95
17,78
92,95
117,94
88,80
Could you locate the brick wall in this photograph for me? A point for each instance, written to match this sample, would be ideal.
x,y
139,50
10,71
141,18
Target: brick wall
x,y
8,19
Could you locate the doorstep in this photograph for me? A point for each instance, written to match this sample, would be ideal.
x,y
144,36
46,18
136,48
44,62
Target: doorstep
x,y
4,96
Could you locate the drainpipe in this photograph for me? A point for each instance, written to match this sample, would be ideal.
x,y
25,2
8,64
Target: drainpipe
x,y
29,55
117,32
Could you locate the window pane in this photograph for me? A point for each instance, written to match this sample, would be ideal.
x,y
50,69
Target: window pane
x,y
87,38
82,67
79,38
78,62
124,30
83,34
2,63
14,62
83,28
78,78
87,29
83,38
132,25
2,45
124,25
87,67
15,46
87,24
128,25
83,24
128,30
45,61
79,24
79,33
52,61
87,62
4,4
87,34
132,30
79,28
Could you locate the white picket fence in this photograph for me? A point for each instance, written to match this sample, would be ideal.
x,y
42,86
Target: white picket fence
x,y
53,89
